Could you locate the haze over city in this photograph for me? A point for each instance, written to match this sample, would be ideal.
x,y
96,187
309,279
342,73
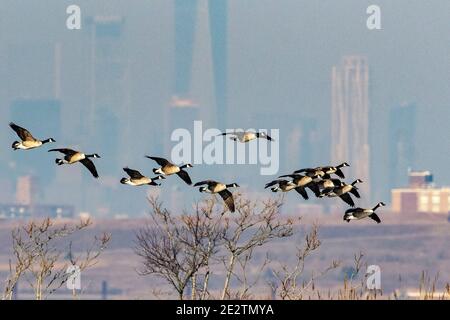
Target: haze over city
x,y
346,89
239,65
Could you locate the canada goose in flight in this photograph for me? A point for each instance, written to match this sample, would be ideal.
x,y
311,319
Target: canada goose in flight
x,y
336,170
361,213
220,188
283,185
312,172
329,183
324,172
137,179
343,192
168,169
246,136
302,181
286,186
72,156
28,141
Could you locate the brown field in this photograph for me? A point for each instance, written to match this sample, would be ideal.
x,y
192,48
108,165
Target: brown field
x,y
403,246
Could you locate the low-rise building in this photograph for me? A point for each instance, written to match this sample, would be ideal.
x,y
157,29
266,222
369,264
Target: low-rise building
x,y
421,195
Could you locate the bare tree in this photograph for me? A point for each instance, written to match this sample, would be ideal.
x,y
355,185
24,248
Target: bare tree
x,y
177,248
38,257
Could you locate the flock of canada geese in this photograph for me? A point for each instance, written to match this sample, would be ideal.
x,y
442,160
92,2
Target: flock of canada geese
x,y
319,180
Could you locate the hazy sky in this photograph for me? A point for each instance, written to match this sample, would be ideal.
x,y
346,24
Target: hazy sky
x,y
280,58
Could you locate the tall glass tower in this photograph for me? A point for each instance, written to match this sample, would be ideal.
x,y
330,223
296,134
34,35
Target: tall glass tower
x,y
350,119
187,16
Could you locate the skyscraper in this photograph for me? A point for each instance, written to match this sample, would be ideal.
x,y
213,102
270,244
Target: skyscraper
x,y
402,128
350,118
185,17
27,190
200,43
109,80
218,16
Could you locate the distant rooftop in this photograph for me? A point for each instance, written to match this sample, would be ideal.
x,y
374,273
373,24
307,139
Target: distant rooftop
x,y
419,173
182,102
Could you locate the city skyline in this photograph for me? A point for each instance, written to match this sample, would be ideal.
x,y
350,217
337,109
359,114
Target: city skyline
x,y
146,78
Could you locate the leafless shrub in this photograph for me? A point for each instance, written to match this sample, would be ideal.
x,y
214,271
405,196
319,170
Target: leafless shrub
x,y
291,283
37,257
353,290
